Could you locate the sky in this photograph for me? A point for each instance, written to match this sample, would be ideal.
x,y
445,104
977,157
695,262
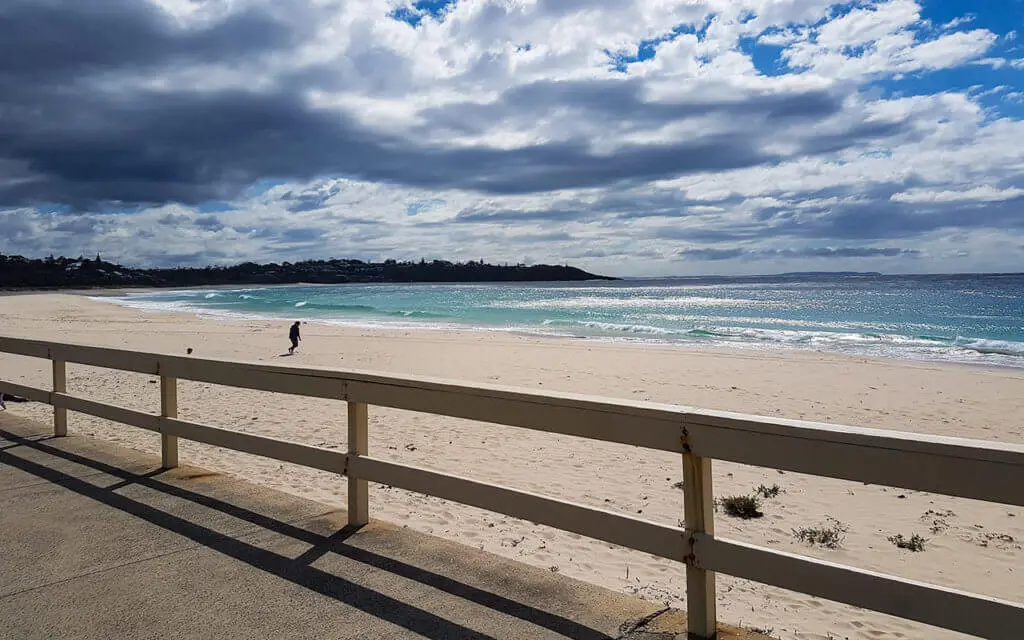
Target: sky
x,y
657,137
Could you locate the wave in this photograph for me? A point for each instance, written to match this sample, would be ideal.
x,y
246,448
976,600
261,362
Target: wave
x,y
416,314
797,337
590,302
339,307
995,347
363,309
611,326
836,338
706,333
729,320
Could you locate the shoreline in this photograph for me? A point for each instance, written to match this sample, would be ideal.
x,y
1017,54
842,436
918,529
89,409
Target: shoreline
x,y
751,348
971,545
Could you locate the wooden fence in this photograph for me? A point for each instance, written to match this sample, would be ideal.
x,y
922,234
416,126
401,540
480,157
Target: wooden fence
x,y
975,469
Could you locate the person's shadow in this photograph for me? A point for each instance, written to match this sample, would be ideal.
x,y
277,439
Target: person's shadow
x,y
285,355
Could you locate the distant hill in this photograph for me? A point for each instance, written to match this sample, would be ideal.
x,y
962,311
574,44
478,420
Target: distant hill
x,y
17,272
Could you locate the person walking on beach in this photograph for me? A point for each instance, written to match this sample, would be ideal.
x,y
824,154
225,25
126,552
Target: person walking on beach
x,y
293,335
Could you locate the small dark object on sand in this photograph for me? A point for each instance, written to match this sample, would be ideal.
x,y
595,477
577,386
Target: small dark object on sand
x,y
6,397
189,351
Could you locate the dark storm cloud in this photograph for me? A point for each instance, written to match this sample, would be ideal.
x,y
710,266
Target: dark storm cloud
x,y
872,216
883,218
193,148
195,259
515,215
173,219
302,234
73,140
711,254
44,41
622,102
550,236
209,223
310,200
82,225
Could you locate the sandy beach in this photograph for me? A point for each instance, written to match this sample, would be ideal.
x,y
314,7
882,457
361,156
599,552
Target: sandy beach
x,y
970,545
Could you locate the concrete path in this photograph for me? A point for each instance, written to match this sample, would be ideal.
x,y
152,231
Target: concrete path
x,y
97,542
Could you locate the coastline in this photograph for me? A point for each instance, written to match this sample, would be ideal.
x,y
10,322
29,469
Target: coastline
x,y
974,546
538,333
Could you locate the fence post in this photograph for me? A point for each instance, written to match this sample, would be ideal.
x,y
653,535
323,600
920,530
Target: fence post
x,y
358,494
698,508
168,409
60,385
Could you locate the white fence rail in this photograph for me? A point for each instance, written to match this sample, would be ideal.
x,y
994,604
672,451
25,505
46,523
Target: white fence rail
x,y
952,466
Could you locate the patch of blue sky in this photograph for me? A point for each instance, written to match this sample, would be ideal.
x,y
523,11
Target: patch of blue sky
x,y
53,208
998,90
767,58
414,13
420,206
998,16
647,49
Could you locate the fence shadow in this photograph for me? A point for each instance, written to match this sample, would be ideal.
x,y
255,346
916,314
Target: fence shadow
x,y
295,570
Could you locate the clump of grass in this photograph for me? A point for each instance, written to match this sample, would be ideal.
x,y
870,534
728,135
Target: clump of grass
x,y
768,492
913,543
745,507
829,535
764,631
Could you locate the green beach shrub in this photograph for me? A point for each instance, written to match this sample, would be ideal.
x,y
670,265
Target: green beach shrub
x,y
829,535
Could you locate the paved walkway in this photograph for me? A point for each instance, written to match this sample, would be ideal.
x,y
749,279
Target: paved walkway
x,y
97,542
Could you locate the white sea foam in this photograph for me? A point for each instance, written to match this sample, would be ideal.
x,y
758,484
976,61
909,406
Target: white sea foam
x,y
148,305
614,326
1000,347
592,302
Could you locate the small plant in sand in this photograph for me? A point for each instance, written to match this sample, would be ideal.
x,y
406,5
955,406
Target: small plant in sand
x,y
764,631
913,543
829,535
745,507
768,492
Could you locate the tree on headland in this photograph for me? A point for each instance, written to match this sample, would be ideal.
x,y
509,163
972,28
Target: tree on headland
x,y
18,272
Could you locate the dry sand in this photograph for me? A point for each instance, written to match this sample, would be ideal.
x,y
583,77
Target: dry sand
x,y
971,545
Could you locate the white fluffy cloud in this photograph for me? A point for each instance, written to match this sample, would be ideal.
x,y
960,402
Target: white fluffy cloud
x,y
629,137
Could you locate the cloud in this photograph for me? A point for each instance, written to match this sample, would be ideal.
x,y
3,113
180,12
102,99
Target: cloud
x,y
711,254
151,137
974,194
516,215
210,223
883,38
615,133
810,252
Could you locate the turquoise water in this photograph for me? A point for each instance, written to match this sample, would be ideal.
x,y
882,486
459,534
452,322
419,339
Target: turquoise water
x,y
963,318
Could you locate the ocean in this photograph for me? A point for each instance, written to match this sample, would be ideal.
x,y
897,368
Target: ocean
x,y
975,319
